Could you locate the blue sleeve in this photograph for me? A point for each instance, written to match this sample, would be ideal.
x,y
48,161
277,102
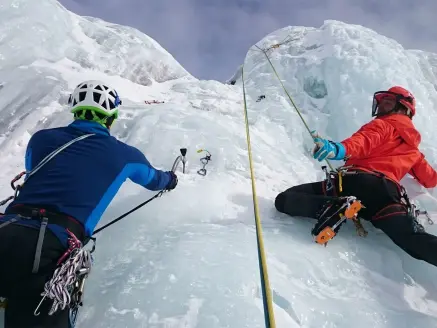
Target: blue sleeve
x,y
28,157
144,174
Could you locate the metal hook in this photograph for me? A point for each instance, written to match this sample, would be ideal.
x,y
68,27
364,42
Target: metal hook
x,y
35,313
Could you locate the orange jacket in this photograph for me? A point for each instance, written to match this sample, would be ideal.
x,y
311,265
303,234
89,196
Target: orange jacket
x,y
389,144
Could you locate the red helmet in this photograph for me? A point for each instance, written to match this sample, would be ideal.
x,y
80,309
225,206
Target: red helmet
x,y
398,95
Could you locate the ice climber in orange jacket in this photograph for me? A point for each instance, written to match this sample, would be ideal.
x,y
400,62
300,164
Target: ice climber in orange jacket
x,y
376,157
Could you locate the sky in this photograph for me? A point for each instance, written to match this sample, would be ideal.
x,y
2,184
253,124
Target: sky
x,y
210,38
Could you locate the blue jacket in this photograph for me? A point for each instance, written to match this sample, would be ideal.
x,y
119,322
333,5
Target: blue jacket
x,y
83,179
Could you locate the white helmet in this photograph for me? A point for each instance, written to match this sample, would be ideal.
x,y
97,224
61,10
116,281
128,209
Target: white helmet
x,y
95,96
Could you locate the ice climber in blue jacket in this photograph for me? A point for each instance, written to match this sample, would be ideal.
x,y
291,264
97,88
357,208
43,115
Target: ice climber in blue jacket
x,y
70,191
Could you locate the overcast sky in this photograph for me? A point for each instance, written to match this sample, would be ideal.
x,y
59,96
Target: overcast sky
x,y
210,38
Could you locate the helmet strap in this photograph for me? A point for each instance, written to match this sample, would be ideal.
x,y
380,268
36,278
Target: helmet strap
x,y
109,120
106,121
399,108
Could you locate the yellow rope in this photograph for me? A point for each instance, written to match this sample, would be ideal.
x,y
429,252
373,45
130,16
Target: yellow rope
x,y
267,295
291,100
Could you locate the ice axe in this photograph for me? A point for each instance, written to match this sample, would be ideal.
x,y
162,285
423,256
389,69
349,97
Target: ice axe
x,y
179,159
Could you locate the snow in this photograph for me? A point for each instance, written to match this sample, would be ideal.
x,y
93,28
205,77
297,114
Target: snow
x,y
189,259
236,76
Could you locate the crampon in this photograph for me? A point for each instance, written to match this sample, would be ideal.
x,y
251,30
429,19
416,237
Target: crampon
x,y
333,215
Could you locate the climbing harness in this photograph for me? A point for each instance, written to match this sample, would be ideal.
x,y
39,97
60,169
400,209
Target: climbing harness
x,y
333,215
41,215
412,209
204,161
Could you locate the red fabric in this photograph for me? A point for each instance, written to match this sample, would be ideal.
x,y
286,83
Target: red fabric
x,y
389,144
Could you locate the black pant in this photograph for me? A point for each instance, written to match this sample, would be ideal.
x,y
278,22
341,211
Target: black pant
x,y
20,286
378,195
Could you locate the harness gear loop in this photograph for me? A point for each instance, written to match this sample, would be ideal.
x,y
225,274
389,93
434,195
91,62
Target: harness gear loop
x,y
403,195
66,286
38,249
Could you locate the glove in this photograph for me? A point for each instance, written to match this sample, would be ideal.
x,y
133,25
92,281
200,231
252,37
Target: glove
x,y
173,181
326,149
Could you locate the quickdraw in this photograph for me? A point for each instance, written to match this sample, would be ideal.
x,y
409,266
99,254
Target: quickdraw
x,y
412,208
66,287
204,161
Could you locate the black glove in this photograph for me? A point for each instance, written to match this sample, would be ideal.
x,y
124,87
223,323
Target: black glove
x,y
173,181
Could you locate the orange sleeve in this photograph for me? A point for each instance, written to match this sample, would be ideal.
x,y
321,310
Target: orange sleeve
x,y
424,173
367,138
